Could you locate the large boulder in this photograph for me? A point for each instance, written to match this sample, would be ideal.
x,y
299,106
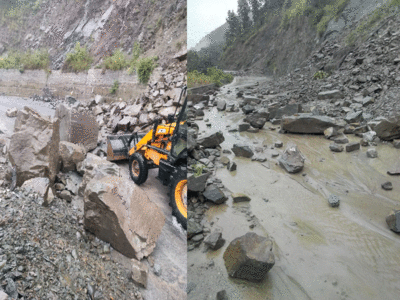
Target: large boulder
x,y
292,160
386,129
120,213
71,154
34,146
212,140
249,257
307,123
197,183
393,220
78,127
94,167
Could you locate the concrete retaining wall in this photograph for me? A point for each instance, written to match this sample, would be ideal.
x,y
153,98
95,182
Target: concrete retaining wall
x,y
201,89
84,86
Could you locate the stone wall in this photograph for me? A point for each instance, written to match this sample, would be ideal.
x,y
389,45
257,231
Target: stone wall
x,y
84,86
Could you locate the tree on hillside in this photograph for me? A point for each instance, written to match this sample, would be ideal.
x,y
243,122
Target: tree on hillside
x,y
233,27
243,12
255,10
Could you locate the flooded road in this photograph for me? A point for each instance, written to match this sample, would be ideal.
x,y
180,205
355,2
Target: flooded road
x,y
320,252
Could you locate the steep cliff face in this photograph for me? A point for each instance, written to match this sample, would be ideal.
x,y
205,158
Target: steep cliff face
x,y
102,25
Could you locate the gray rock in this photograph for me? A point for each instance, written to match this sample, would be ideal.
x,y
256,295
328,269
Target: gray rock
x,y
330,132
12,112
292,160
307,123
222,295
249,257
214,194
70,154
221,105
3,296
256,120
212,140
248,109
232,166
193,228
336,148
243,127
372,153
66,195
140,272
288,110
333,94
278,144
386,129
239,197
197,183
354,117
396,144
341,139
333,201
393,220
11,288
352,147
214,240
387,186
242,150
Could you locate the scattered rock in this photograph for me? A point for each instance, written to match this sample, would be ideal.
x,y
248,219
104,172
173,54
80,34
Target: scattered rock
x,y
243,127
352,147
386,129
197,183
212,140
231,166
242,150
40,185
336,148
333,201
239,197
333,94
387,186
292,160
222,295
221,105
372,153
249,257
214,194
12,112
393,220
278,144
214,240
140,271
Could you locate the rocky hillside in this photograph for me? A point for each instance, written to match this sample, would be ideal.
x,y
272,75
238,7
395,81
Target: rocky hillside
x,y
217,36
292,30
103,25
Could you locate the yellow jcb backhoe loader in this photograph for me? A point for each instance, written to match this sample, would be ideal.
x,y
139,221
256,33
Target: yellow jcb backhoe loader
x,y
164,147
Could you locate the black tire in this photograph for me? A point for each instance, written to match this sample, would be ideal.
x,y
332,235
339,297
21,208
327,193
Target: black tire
x,y
138,162
178,196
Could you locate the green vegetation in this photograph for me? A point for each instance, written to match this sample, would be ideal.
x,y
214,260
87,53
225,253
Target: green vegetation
x,y
136,51
320,13
214,75
198,169
116,62
144,68
78,60
320,75
362,30
115,87
30,60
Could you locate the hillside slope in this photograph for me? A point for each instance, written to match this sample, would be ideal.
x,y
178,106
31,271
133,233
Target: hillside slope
x,y
102,25
292,31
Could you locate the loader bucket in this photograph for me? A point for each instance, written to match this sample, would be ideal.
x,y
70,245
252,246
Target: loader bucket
x,y
118,146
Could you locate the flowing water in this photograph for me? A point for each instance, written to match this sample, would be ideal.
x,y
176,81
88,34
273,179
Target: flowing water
x,y
320,252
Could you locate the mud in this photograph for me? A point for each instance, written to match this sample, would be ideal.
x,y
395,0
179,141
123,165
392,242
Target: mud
x,y
338,253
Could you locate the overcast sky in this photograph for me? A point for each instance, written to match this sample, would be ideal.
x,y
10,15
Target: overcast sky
x,y
206,15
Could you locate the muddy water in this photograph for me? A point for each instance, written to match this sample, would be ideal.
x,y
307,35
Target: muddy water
x,y
321,252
